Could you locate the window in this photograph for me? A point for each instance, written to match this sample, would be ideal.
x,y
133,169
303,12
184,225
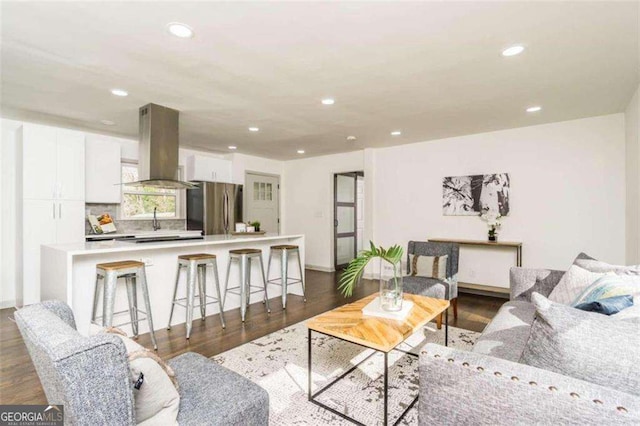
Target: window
x,y
138,202
262,191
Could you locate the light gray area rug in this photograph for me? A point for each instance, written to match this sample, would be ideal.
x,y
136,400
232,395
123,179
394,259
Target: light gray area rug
x,y
278,363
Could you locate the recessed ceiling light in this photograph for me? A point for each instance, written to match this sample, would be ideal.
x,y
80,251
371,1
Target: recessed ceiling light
x,y
328,101
119,92
301,151
534,109
396,133
107,122
513,50
180,30
253,129
233,147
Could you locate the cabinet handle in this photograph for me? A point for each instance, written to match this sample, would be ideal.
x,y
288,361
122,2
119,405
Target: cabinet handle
x,y
60,211
53,209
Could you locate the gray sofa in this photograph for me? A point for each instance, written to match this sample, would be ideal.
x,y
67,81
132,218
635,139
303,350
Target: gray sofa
x,y
489,386
90,376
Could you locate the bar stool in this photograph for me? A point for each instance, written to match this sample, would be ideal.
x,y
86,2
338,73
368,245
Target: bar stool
x,y
244,256
132,271
284,280
196,265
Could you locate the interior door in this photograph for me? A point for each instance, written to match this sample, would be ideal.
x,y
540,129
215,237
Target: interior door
x,y
263,205
345,216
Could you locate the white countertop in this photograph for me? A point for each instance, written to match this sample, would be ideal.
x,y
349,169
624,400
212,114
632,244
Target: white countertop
x,y
114,246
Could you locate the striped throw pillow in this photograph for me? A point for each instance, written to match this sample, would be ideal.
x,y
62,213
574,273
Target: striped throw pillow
x,y
609,286
428,266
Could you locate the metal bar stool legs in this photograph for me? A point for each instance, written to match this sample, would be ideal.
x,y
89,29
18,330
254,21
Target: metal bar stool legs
x,y
244,289
109,273
284,280
196,266
142,276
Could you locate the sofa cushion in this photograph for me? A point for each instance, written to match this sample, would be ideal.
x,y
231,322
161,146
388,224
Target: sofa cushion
x,y
608,305
573,282
426,286
507,334
213,395
588,346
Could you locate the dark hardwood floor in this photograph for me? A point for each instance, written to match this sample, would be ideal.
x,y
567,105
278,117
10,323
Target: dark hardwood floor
x,y
19,383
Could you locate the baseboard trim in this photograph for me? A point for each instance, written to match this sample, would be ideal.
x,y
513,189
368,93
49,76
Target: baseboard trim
x,y
319,268
7,304
484,290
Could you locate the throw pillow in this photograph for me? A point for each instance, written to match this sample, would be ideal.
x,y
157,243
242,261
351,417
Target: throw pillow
x,y
588,346
572,283
607,306
156,399
604,267
428,266
609,285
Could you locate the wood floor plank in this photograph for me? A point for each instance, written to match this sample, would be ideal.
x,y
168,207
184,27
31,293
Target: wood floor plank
x,y
19,383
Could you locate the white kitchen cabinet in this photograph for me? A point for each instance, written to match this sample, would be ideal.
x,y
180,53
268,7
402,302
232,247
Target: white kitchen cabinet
x,y
39,166
39,228
102,170
52,163
46,222
53,175
200,167
70,162
70,221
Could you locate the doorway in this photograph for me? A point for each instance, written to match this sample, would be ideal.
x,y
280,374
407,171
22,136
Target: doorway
x,y
262,200
348,217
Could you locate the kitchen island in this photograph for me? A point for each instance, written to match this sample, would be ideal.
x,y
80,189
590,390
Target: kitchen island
x,y
68,273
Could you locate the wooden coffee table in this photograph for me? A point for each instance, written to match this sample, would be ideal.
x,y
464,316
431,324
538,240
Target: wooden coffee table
x,y
383,335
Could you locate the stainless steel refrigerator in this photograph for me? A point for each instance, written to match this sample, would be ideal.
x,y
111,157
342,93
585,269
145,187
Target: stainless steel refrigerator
x,y
214,207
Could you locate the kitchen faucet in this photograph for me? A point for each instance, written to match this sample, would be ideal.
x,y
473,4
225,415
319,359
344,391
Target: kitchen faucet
x,y
155,223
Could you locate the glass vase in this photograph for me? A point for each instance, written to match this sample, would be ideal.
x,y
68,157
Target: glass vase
x,y
391,286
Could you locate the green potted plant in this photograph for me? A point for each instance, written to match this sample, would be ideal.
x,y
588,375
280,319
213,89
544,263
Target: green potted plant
x,y
256,226
390,275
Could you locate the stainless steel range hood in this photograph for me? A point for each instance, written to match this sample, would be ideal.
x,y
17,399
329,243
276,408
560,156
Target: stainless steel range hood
x,y
158,157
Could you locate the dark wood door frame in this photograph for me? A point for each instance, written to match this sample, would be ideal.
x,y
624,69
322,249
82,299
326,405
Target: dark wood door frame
x,y
337,204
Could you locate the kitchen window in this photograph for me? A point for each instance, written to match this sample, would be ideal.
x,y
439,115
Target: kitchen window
x,y
138,202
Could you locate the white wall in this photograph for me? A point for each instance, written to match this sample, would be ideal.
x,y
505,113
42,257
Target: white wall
x,y
309,202
9,203
242,163
567,195
632,134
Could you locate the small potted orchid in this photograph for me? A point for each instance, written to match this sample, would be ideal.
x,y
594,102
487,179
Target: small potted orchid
x,y
493,222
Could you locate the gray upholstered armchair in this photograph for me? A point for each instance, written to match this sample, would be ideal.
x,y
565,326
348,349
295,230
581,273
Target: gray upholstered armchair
x,y
432,287
90,376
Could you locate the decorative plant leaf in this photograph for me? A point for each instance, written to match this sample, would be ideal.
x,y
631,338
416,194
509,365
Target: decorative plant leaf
x,y
354,271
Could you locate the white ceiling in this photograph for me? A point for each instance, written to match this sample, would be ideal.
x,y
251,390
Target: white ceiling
x,y
432,70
